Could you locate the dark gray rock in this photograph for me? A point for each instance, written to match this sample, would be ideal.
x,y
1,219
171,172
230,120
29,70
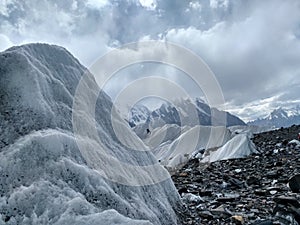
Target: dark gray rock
x,y
254,187
294,183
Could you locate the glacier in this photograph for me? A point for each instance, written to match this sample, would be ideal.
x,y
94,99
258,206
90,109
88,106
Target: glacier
x,y
173,145
48,175
239,146
186,129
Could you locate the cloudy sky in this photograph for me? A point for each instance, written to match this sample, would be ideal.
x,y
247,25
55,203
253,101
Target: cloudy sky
x,y
252,46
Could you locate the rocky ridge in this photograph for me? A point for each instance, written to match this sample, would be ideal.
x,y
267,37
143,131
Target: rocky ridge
x,y
252,190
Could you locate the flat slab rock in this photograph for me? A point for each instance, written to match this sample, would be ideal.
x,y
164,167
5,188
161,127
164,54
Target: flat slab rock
x,y
253,190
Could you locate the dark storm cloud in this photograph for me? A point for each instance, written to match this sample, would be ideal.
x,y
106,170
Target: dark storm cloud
x,y
252,46
255,57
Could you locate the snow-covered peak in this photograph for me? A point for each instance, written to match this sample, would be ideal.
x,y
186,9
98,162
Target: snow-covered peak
x,y
280,117
294,111
138,114
139,109
200,100
186,112
278,113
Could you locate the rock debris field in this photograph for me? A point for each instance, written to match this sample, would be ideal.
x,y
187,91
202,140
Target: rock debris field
x,y
261,189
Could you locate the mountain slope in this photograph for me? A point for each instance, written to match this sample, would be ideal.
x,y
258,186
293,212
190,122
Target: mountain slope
x,y
139,114
49,174
281,117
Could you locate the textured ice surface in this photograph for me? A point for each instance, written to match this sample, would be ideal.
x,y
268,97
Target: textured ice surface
x,y
238,147
173,145
45,178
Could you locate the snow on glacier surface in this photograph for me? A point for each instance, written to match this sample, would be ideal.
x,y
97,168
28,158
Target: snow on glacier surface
x,y
250,129
173,145
45,177
239,146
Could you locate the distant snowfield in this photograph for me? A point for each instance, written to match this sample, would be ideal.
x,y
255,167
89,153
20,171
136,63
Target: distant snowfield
x,y
50,176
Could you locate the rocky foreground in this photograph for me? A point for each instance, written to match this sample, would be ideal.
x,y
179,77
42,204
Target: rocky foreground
x,y
260,189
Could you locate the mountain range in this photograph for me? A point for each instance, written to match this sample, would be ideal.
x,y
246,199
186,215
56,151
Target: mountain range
x,y
280,117
185,112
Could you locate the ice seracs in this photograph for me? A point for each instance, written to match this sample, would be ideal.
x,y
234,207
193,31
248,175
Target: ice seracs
x,y
239,146
45,177
177,136
173,145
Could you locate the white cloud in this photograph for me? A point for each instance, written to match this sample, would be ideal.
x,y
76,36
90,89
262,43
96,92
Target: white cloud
x,y
256,109
219,4
253,58
4,42
254,51
74,5
195,6
148,4
98,4
71,24
4,7
260,108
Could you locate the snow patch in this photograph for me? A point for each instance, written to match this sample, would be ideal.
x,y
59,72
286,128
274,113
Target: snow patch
x,y
295,142
239,146
177,151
